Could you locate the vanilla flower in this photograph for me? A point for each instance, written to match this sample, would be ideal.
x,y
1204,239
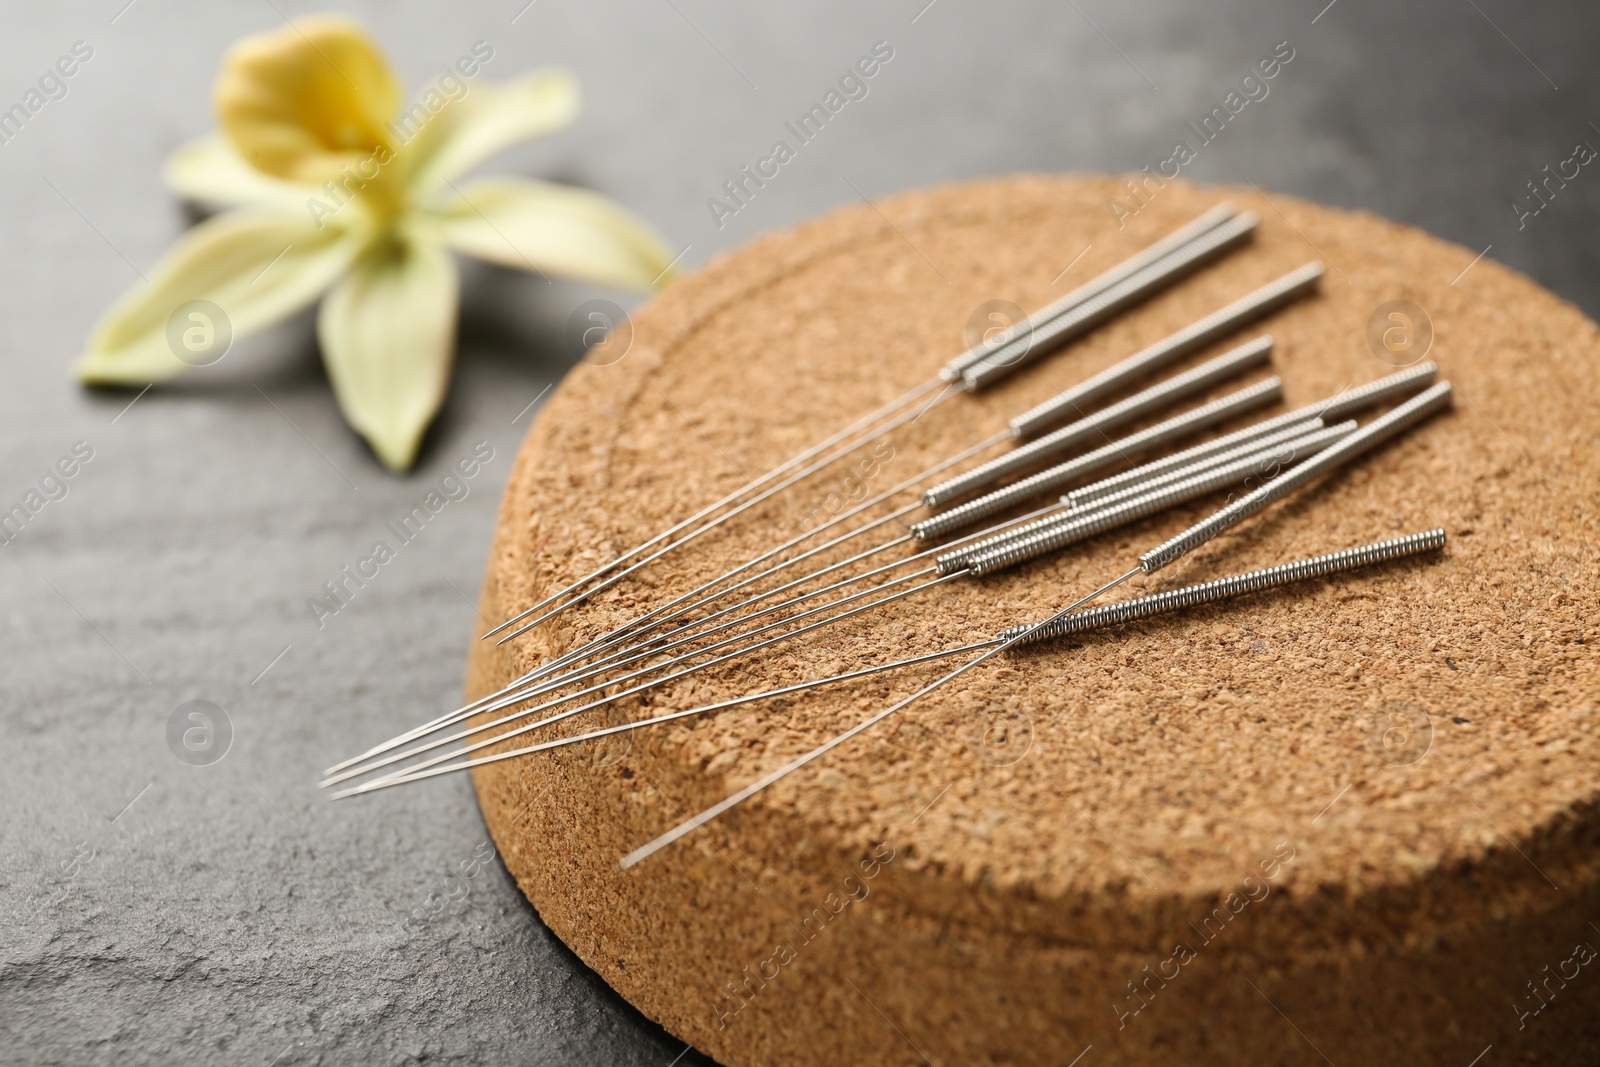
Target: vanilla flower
x,y
341,192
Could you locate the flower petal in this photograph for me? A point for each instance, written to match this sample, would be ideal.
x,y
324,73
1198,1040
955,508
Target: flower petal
x,y
554,229
304,100
388,334
256,267
211,171
449,140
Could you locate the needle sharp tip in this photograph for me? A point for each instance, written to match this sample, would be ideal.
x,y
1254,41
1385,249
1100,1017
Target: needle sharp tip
x,y
364,787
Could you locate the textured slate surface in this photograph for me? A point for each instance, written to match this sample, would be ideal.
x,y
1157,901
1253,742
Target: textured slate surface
x,y
156,912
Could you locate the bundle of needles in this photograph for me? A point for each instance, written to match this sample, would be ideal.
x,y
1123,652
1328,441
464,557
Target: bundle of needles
x,y
981,512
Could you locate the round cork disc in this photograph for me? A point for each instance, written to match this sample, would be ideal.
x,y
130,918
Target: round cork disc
x,y
1354,817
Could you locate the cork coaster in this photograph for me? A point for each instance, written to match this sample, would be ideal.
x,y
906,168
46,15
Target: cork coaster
x,y
1355,818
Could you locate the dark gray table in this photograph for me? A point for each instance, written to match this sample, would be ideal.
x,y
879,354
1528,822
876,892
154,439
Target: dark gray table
x,y
155,912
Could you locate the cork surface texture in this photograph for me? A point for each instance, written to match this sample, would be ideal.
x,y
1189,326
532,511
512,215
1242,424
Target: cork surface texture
x,y
1353,818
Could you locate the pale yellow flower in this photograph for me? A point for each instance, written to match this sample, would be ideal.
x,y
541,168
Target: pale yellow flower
x,y
340,191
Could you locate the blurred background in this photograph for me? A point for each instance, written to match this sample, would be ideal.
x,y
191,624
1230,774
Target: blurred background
x,y
161,907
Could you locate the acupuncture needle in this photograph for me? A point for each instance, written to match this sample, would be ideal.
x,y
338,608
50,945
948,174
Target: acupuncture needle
x,y
1085,621
1219,323
1190,422
1159,474
511,696
373,763
1164,263
1183,425
1126,448
1403,417
1181,386
631,691
1337,407
1121,514
1112,516
1061,330
1207,415
1069,621
1033,422
1167,392
1113,291
1348,401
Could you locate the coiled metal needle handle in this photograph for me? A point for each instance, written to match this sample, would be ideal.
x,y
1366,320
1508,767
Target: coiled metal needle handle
x,y
1075,527
1333,409
1189,422
1021,636
1225,588
1230,364
1424,404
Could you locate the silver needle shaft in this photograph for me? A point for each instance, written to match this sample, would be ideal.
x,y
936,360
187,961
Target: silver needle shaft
x,y
530,690
1069,620
371,763
595,735
1213,233
1407,415
690,825
742,507
1152,255
559,716
893,407
1201,479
